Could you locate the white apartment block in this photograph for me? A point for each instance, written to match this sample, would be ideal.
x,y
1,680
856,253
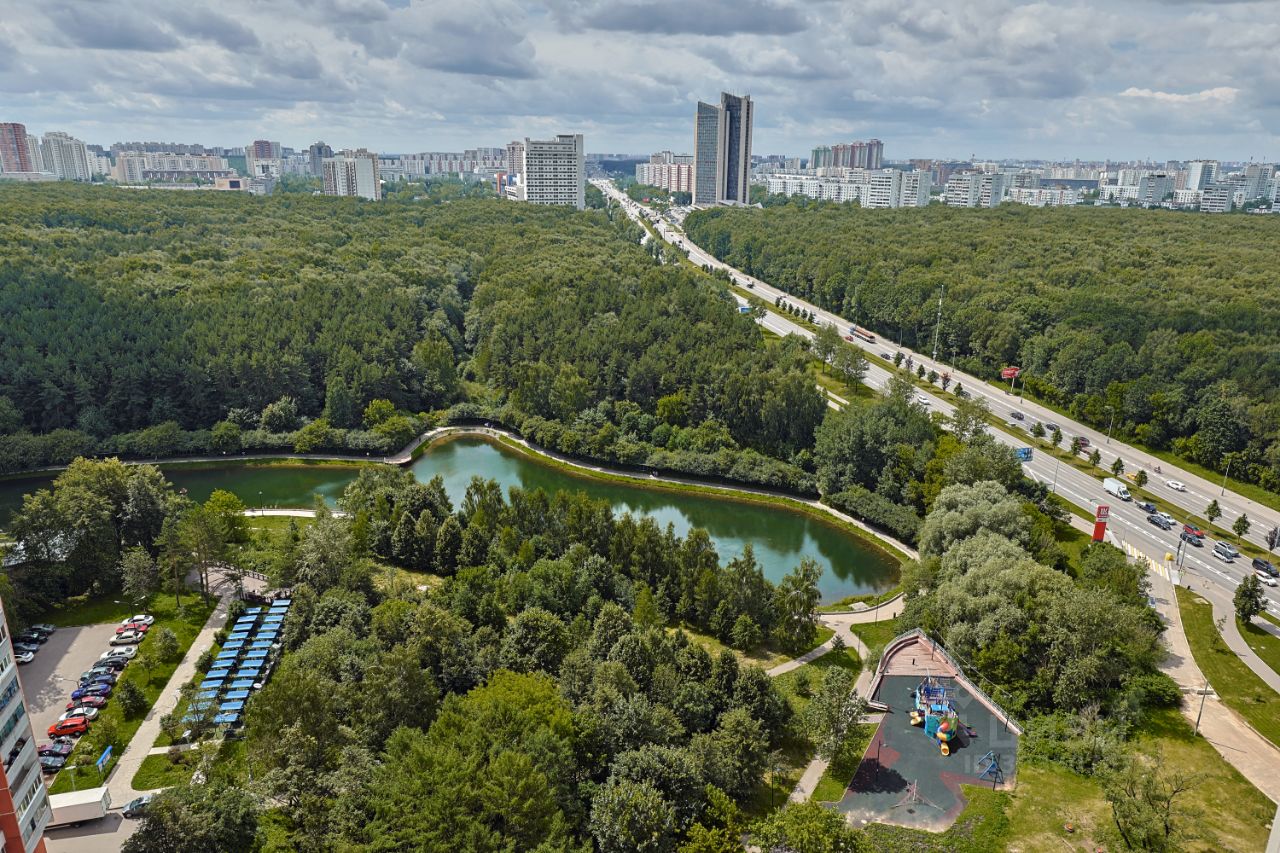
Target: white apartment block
x,y
881,188
1200,173
1186,198
1217,198
1044,196
65,156
1118,192
135,167
673,177
352,173
554,171
976,189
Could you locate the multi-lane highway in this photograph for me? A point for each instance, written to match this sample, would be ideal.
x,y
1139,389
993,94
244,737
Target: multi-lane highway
x,y
1128,523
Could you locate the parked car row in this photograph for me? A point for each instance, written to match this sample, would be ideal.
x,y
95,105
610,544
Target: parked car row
x,y
93,691
28,642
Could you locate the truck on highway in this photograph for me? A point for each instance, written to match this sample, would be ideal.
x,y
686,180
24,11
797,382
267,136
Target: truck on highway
x,y
1117,488
76,807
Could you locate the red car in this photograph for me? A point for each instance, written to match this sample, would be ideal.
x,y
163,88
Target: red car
x,y
140,627
87,702
1192,530
72,726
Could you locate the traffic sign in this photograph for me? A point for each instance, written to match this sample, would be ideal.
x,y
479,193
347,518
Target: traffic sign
x,y
1024,454
102,759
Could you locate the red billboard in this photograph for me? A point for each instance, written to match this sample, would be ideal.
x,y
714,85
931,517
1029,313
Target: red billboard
x,y
1010,372
1100,522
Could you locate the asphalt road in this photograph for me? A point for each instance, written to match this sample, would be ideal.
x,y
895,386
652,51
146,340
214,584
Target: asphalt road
x,y
103,836
1128,523
1199,491
48,680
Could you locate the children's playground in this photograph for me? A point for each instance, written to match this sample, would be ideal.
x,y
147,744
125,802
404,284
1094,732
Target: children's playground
x,y
938,732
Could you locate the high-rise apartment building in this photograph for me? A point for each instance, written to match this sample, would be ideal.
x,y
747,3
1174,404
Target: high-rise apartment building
x,y
1217,198
66,156
1257,178
722,150
15,156
24,801
1155,187
554,171
262,158
317,154
1200,173
515,157
352,173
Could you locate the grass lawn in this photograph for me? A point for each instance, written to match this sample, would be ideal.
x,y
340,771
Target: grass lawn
x,y
789,683
1046,799
186,625
1235,683
227,760
1273,620
765,656
869,599
876,635
1266,645
835,781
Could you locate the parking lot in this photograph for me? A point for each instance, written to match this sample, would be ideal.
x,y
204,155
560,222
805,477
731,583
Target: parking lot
x,y
49,679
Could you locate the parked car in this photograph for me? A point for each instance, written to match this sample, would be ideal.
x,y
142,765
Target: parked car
x,y
1225,551
24,657
114,664
98,675
1146,506
44,628
128,638
126,652
141,618
103,690
140,627
61,746
29,636
1160,521
96,702
25,647
80,711
1176,485
52,763
1193,540
138,806
74,726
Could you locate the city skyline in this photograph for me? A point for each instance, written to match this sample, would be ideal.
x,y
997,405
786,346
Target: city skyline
x,y
992,78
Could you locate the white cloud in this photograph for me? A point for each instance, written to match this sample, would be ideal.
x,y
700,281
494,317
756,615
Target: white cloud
x,y
1216,95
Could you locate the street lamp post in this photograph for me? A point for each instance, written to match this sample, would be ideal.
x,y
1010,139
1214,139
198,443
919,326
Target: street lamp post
x,y
1223,490
1111,423
1203,693
1057,460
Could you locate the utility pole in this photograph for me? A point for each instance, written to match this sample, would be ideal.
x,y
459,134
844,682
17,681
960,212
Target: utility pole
x,y
1057,460
1223,490
1200,713
937,327
1111,423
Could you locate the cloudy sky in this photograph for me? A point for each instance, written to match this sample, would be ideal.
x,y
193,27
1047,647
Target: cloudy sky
x,y
949,78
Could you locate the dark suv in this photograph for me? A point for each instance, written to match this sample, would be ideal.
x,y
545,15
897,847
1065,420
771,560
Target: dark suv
x,y
1265,567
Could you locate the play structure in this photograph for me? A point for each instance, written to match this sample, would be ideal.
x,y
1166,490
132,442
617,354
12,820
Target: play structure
x,y
935,712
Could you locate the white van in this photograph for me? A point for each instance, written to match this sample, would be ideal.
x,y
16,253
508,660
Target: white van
x,y
1117,488
1225,551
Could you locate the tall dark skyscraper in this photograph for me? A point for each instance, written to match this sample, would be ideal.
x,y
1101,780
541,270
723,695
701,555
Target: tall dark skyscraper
x,y
722,150
318,153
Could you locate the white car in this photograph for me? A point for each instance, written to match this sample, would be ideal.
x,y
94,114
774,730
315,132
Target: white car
x,y
140,619
86,712
1176,485
127,638
126,652
1167,517
28,657
1265,578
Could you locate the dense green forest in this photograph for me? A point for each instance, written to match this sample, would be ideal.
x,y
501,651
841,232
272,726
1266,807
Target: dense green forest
x,y
149,324
1170,320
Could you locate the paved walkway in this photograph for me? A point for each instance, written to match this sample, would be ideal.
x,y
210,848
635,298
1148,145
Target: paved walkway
x,y
1225,610
839,622
120,782
1243,748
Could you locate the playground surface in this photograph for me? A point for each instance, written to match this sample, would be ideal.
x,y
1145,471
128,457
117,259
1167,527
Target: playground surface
x,y
904,779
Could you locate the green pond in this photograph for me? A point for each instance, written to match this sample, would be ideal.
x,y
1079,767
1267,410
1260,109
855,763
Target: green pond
x,y
780,538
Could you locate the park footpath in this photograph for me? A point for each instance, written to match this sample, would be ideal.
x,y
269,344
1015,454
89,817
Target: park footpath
x,y
1255,757
839,622
120,780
